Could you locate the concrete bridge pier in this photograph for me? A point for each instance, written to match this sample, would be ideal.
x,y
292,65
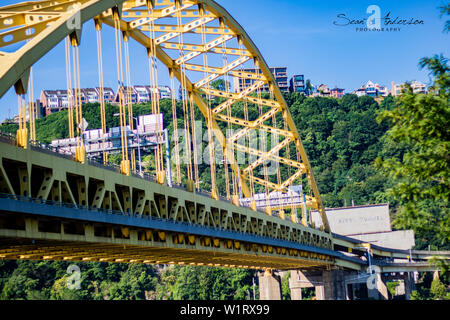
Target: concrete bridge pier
x,y
329,284
296,291
409,284
269,286
299,280
405,287
334,287
379,291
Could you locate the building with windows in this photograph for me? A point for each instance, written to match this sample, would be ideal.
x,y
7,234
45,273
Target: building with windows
x,y
416,86
108,94
52,101
297,83
91,95
129,94
359,92
49,99
337,92
281,78
55,100
279,73
165,92
372,90
419,87
143,93
322,91
382,91
38,113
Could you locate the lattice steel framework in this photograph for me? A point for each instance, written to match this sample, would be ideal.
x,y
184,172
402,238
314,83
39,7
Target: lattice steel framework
x,y
199,42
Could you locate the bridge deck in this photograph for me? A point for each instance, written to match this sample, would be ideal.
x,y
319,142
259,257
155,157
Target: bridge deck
x,y
67,207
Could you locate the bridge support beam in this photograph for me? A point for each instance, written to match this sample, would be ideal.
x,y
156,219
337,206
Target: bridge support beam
x,y
334,287
380,292
409,284
329,284
296,293
269,286
302,279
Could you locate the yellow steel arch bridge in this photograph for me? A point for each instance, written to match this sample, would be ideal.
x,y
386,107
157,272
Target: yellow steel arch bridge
x,y
67,207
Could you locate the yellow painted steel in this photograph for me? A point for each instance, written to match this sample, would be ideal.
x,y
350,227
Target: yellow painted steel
x,y
56,178
222,35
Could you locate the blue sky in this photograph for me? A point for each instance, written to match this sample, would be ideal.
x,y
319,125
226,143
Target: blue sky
x,y
297,34
301,36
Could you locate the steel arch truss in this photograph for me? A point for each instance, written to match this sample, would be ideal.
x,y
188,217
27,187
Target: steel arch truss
x,y
199,42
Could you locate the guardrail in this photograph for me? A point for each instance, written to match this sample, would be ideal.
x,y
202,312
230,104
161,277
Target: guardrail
x,y
47,149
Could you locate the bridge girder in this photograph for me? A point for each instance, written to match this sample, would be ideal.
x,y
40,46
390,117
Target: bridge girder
x,y
54,208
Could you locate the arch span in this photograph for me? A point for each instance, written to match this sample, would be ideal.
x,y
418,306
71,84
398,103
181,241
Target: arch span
x,y
207,32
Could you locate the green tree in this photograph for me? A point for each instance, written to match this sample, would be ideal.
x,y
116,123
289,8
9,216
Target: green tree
x,y
60,291
445,10
391,286
438,290
444,267
308,87
285,290
18,286
420,166
133,284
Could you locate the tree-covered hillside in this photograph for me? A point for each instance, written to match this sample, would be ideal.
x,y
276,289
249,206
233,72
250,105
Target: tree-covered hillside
x,y
342,140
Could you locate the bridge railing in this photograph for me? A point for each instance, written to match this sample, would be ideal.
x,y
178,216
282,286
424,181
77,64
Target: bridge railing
x,y
7,138
44,148
37,146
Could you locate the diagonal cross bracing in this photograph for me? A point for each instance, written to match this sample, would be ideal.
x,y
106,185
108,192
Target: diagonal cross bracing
x,y
148,16
203,48
182,29
221,71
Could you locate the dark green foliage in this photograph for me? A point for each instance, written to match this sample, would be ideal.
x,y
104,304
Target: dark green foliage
x,y
40,280
342,139
285,290
445,10
205,283
415,157
430,288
